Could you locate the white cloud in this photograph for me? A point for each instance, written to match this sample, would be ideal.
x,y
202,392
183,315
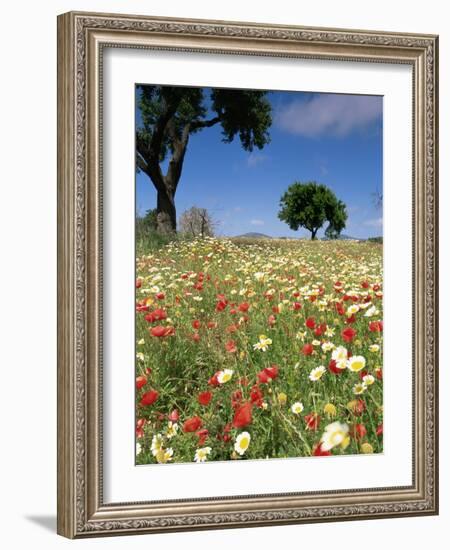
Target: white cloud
x,y
376,222
237,209
257,222
255,158
330,114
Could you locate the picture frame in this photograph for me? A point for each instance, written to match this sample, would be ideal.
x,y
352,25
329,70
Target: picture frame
x,y
82,40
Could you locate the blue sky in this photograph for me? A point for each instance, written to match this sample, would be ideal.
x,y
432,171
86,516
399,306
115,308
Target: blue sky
x,y
334,139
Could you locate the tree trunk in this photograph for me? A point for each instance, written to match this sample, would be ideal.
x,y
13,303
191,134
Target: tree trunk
x,y
313,234
166,215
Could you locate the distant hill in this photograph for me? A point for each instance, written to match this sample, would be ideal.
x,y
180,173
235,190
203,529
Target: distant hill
x,y
253,235
344,238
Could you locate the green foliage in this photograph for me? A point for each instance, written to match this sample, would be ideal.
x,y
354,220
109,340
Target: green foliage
x,y
310,205
244,113
174,110
376,240
147,237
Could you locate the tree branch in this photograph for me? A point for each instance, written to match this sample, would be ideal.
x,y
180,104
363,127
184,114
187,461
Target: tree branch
x,y
205,123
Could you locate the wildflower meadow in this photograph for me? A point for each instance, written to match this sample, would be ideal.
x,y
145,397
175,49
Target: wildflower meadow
x,y
258,349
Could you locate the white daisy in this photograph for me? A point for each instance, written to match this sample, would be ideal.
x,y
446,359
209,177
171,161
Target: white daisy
x,y
359,388
334,434
224,376
368,379
202,454
164,455
356,363
157,444
340,353
317,373
172,428
327,346
297,407
242,443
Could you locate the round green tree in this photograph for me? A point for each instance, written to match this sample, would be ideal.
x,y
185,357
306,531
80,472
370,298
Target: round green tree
x,y
311,205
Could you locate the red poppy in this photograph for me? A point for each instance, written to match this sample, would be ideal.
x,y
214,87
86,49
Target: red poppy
x,y
211,324
196,324
379,430
196,337
376,326
140,427
198,285
362,373
157,315
244,307
138,283
379,374
221,305
160,296
312,421
310,322
318,451
272,371
256,396
202,436
358,431
141,422
271,320
226,436
231,347
231,328
142,307
348,334
296,306
174,416
243,415
161,332
351,319
333,368
320,329
365,284
213,381
192,424
307,349
263,377
236,398
140,382
204,397
149,398
358,407
276,310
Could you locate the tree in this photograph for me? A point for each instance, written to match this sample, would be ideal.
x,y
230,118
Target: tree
x,y
310,205
169,115
197,222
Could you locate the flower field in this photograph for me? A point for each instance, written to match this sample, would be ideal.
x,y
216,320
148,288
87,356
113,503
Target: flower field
x,y
251,349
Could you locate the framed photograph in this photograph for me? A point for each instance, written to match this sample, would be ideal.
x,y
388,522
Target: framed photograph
x,y
247,274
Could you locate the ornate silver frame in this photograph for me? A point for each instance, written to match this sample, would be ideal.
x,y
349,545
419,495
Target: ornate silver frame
x,y
81,37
